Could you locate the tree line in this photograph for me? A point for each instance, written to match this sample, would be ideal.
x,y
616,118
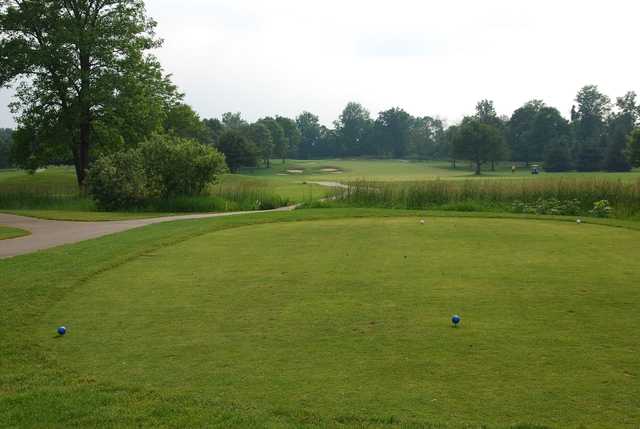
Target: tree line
x,y
87,86
598,136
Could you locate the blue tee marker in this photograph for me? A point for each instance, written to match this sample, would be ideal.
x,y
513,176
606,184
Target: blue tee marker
x,y
62,330
456,320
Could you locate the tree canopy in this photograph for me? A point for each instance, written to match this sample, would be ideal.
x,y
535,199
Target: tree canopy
x,y
85,80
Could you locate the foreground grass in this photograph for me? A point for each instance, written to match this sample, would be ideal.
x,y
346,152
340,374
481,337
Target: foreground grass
x,y
338,321
6,232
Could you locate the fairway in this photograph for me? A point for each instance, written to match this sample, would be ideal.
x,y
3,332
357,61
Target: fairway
x,y
348,321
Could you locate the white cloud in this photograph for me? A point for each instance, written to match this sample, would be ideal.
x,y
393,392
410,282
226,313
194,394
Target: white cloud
x,y
429,57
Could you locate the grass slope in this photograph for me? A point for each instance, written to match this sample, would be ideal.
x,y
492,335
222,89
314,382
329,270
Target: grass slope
x,y
7,233
338,321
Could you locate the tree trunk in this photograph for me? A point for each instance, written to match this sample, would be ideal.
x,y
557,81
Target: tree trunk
x,y
85,121
478,169
493,166
82,161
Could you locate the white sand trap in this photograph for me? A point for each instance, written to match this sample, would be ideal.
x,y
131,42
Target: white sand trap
x,y
281,174
330,170
295,171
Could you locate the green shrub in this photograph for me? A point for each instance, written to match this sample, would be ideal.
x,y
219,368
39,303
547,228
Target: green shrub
x,y
164,167
118,180
601,209
174,166
550,206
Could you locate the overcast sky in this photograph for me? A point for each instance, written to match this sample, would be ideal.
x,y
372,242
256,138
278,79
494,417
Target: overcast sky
x,y
429,57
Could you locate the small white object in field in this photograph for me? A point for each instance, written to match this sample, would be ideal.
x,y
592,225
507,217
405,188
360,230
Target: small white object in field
x,y
422,222
579,221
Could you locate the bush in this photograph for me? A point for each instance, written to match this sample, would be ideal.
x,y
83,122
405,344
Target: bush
x,y
174,166
601,209
118,180
162,167
550,206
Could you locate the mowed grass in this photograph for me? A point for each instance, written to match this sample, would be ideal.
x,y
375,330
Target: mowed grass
x,y
407,171
338,320
7,233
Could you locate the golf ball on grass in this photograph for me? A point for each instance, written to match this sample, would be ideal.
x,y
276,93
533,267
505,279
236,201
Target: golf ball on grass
x,y
422,222
579,221
62,330
456,320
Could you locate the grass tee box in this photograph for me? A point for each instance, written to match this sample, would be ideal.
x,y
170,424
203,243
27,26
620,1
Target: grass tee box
x,y
339,319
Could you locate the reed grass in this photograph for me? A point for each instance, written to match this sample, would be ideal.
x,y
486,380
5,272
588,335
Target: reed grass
x,y
483,195
217,198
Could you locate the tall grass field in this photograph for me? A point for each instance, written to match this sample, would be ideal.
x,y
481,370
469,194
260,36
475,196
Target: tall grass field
x,y
500,195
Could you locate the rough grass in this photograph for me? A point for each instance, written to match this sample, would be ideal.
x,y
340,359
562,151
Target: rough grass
x,y
340,321
491,195
7,233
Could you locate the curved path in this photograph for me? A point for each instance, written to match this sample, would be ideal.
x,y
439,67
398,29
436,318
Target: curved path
x,y
46,234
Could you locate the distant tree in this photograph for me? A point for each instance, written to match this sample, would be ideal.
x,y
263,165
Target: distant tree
x,y
233,120
83,72
292,135
477,142
184,122
486,114
590,119
215,127
329,144
520,130
427,139
392,132
310,131
633,148
238,151
451,136
556,155
278,137
260,135
619,127
5,147
352,129
548,126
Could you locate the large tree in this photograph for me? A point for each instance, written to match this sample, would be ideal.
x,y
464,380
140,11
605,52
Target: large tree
x,y
278,137
619,127
182,121
310,131
82,70
520,132
391,134
5,145
486,114
238,150
589,125
293,137
352,129
427,139
260,135
633,148
477,142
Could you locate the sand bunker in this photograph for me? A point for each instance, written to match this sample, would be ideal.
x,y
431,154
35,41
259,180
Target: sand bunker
x,y
295,171
331,170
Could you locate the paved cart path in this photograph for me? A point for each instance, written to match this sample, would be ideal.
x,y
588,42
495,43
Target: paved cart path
x,y
46,234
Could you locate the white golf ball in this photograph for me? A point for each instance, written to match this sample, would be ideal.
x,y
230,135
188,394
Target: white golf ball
x,y
422,222
579,221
